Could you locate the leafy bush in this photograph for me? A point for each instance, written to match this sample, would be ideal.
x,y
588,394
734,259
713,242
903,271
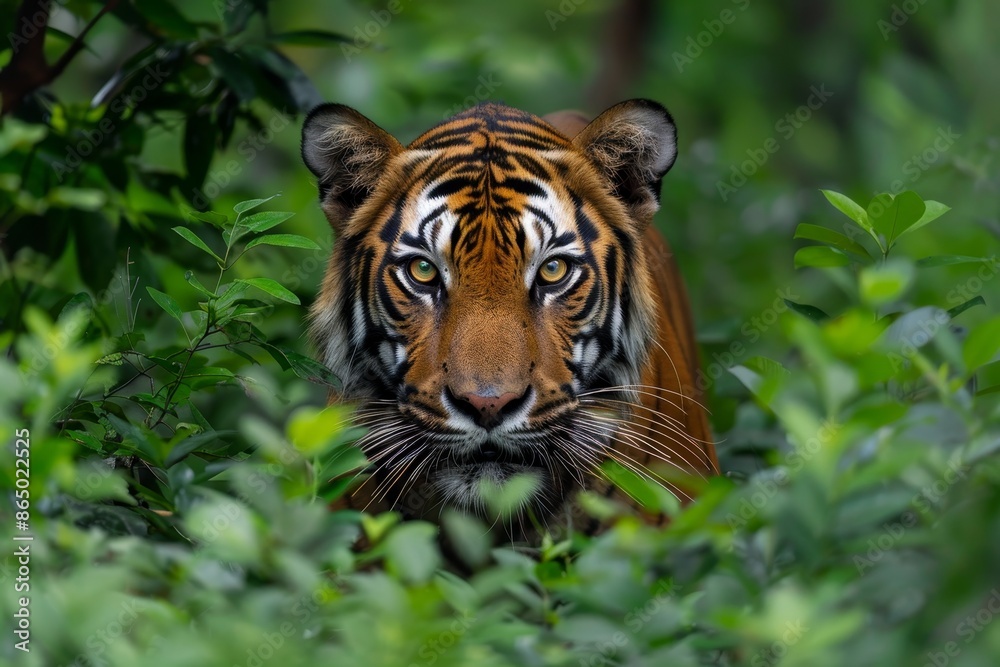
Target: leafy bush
x,y
866,534
182,456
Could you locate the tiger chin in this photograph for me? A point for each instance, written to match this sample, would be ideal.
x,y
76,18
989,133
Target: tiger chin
x,y
498,305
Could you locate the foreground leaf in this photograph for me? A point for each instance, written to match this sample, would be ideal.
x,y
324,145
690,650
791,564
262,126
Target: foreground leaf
x,y
167,303
250,204
932,211
891,216
851,209
196,241
982,344
830,237
284,240
272,287
820,256
261,222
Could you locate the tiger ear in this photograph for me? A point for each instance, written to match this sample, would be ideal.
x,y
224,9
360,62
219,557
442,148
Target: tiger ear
x,y
348,154
633,144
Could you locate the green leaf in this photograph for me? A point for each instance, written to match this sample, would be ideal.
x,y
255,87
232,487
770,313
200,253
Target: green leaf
x,y
377,525
947,260
633,485
830,237
299,91
932,211
211,217
167,303
982,344
95,248
232,293
80,300
234,72
766,367
962,307
260,222
247,312
250,204
235,16
68,39
195,283
85,439
467,535
101,483
884,283
273,288
914,329
508,496
316,431
165,17
113,359
891,216
196,241
285,240
811,312
182,448
200,133
85,199
304,367
851,209
820,256
412,551
762,376
309,38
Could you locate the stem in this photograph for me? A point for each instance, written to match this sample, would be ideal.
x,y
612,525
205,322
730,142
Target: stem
x,y
229,246
78,44
176,384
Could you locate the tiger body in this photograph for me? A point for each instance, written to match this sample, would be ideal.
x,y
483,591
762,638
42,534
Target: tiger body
x,y
498,304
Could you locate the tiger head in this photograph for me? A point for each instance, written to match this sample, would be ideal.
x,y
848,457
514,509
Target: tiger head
x,y
485,279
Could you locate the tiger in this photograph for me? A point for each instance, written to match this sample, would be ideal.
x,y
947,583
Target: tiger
x,y
498,305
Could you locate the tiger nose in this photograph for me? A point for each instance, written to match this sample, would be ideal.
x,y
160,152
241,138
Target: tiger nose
x,y
488,409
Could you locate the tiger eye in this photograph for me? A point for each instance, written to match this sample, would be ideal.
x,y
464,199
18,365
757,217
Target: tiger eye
x,y
553,270
423,271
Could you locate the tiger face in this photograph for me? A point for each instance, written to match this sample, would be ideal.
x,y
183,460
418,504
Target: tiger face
x,y
487,279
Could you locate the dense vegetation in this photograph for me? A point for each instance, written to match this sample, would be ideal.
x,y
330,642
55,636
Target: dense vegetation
x,y
158,381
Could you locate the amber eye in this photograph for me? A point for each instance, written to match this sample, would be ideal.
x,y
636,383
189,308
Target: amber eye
x,y
423,271
553,271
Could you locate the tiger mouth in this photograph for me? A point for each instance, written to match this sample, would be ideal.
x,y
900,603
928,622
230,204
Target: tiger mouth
x,y
490,454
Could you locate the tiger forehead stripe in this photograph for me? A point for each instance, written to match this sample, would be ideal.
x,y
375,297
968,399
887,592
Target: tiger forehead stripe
x,y
505,124
491,174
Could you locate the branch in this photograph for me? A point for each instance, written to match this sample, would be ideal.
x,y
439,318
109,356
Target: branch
x,y
27,70
78,43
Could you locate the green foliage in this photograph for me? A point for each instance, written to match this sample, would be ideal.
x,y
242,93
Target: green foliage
x,y
183,458
838,543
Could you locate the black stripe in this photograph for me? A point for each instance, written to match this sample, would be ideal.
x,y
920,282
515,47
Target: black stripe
x,y
523,186
391,228
450,187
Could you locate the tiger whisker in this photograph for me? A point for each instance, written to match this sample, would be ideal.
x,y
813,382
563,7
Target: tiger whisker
x,y
691,446
637,387
637,443
672,422
636,467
